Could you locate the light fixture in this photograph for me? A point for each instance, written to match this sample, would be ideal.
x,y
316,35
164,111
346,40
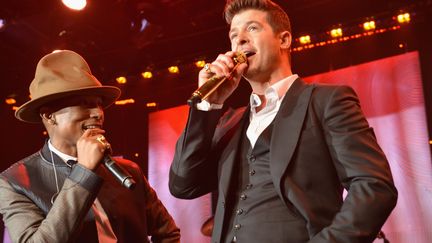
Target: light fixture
x,y
10,101
200,63
337,32
75,4
369,25
125,102
404,18
151,104
147,74
121,80
305,39
2,23
174,69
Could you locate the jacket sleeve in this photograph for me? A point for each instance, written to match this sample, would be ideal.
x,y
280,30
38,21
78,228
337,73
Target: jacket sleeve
x,y
26,222
362,169
193,171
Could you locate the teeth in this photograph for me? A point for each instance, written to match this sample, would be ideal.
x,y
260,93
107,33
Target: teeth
x,y
249,53
90,127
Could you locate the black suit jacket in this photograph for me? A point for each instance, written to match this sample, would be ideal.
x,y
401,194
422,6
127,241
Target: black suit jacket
x,y
321,143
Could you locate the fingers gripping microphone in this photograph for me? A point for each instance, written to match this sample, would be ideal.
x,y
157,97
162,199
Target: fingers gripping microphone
x,y
214,82
119,173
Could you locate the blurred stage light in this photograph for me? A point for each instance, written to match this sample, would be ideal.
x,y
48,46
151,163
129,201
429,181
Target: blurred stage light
x,y
147,74
404,18
336,32
151,104
75,4
2,23
10,101
369,25
305,39
174,69
125,102
121,80
200,63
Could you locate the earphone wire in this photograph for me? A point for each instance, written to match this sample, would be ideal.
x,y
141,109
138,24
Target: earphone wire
x,y
56,179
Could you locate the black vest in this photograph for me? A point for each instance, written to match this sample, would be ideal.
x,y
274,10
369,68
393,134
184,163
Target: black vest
x,y
255,212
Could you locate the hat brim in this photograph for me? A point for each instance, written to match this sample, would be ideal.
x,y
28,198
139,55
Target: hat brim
x,y
29,111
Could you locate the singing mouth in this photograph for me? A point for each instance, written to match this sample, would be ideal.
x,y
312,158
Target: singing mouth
x,y
249,53
92,126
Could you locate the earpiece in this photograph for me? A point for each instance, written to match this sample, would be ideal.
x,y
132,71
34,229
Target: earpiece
x,y
49,118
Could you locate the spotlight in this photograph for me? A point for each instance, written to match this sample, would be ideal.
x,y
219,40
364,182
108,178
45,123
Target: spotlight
x,y
200,63
125,102
2,23
174,69
10,101
337,32
121,80
305,39
404,18
369,25
147,74
151,104
75,4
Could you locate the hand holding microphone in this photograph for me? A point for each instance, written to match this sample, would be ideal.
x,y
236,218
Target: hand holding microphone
x,y
93,148
220,78
116,170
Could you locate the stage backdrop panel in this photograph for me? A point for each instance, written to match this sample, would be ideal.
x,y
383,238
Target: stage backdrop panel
x,y
164,129
391,95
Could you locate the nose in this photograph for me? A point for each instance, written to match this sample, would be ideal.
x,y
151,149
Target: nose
x,y
97,113
242,38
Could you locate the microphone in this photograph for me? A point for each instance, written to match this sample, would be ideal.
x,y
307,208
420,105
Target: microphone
x,y
119,173
214,82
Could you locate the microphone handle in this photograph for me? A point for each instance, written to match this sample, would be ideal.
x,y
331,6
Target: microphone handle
x,y
214,82
119,173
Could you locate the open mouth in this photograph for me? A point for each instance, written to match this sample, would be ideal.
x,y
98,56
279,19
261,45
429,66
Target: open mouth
x,y
249,53
92,126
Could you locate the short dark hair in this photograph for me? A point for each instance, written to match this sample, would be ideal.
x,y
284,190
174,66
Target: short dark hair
x,y
276,16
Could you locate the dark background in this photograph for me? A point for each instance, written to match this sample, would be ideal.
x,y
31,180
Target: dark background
x,y
107,33
109,36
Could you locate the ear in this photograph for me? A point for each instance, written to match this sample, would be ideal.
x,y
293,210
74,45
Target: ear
x,y
47,115
285,39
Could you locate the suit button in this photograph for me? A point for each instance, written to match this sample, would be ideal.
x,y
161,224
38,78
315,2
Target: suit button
x,y
252,172
243,197
248,186
239,211
223,204
252,158
237,226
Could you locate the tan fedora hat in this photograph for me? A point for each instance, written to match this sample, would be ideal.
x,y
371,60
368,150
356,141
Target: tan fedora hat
x,y
62,74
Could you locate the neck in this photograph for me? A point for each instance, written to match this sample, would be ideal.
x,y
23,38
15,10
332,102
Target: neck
x,y
64,148
261,83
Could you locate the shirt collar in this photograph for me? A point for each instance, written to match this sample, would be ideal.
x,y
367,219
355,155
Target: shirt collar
x,y
276,91
63,156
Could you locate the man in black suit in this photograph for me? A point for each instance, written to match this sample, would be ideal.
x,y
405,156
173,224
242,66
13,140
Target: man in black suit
x,y
280,164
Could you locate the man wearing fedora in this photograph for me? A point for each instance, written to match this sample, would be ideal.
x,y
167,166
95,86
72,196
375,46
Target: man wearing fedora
x,y
60,193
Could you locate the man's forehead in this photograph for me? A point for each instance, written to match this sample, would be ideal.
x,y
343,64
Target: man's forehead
x,y
248,16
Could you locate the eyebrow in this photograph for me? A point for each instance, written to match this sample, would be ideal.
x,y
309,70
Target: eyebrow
x,y
245,24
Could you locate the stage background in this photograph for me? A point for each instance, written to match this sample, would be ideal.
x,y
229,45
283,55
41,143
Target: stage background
x,y
391,95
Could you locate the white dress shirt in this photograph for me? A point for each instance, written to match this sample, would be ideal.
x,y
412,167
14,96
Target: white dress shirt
x,y
274,94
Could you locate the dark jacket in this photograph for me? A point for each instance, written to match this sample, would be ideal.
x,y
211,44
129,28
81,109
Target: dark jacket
x,y
26,189
321,143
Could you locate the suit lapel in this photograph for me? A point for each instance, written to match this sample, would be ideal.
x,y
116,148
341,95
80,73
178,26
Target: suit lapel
x,y
232,138
287,128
